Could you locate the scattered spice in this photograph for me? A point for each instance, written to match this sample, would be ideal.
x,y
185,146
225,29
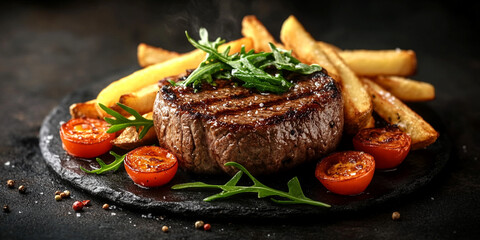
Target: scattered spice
x,y
395,216
67,193
77,206
199,224
207,227
11,183
6,209
58,198
86,202
165,229
106,206
22,189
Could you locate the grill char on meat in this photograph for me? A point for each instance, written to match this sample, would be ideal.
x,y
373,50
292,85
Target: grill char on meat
x,y
266,133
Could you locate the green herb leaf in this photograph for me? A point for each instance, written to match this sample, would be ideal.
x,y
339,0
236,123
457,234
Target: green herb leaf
x,y
107,167
246,67
119,122
293,196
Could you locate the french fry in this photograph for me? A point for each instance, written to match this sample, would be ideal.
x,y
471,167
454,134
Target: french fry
x,y
392,110
111,94
84,109
337,49
295,37
128,139
141,100
405,89
254,29
380,62
148,55
357,103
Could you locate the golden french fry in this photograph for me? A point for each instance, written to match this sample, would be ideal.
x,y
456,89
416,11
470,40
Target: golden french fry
x,y
295,37
84,109
254,29
405,89
141,100
380,62
110,95
128,139
148,55
392,110
370,123
357,103
337,49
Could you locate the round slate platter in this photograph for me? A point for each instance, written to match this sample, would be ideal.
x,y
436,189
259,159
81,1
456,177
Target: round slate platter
x,y
416,171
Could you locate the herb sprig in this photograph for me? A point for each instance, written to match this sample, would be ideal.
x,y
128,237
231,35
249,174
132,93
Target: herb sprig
x,y
107,167
246,67
120,122
293,196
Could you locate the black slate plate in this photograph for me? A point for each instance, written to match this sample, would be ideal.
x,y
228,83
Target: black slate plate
x,y
416,171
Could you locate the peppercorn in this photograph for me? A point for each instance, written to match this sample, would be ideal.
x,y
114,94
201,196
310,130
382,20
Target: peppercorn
x,y
207,227
57,192
58,198
63,195
106,206
165,229
67,193
22,189
10,183
395,216
77,206
199,224
6,208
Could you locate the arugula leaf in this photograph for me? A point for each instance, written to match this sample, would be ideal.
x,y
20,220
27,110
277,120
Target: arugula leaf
x,y
120,122
246,67
285,61
107,167
293,196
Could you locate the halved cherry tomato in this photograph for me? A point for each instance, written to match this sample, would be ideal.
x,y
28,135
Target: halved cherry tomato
x,y
86,137
389,146
151,166
346,173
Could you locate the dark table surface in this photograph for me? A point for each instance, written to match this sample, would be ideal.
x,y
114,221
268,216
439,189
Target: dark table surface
x,y
49,49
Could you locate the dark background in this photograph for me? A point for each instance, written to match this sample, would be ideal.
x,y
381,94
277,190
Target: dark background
x,y
49,49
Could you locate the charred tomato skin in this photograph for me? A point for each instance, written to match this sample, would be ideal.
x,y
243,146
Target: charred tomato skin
x,y
346,172
86,137
151,166
389,145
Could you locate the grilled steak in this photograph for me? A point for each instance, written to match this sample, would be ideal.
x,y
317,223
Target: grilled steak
x,y
266,133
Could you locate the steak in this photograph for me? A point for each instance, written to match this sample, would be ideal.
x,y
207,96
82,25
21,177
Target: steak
x,y
265,132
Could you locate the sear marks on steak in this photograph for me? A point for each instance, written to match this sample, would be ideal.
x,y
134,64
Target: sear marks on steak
x,y
266,133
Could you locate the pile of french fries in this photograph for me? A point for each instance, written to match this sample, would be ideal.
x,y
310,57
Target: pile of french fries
x,y
371,81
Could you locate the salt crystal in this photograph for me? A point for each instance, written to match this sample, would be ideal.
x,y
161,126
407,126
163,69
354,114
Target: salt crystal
x,y
78,214
7,163
113,214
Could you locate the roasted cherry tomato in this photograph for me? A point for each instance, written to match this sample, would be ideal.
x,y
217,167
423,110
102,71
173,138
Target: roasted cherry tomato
x,y
346,173
151,166
86,137
389,146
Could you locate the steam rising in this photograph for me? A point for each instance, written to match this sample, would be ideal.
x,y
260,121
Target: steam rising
x,y
220,18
